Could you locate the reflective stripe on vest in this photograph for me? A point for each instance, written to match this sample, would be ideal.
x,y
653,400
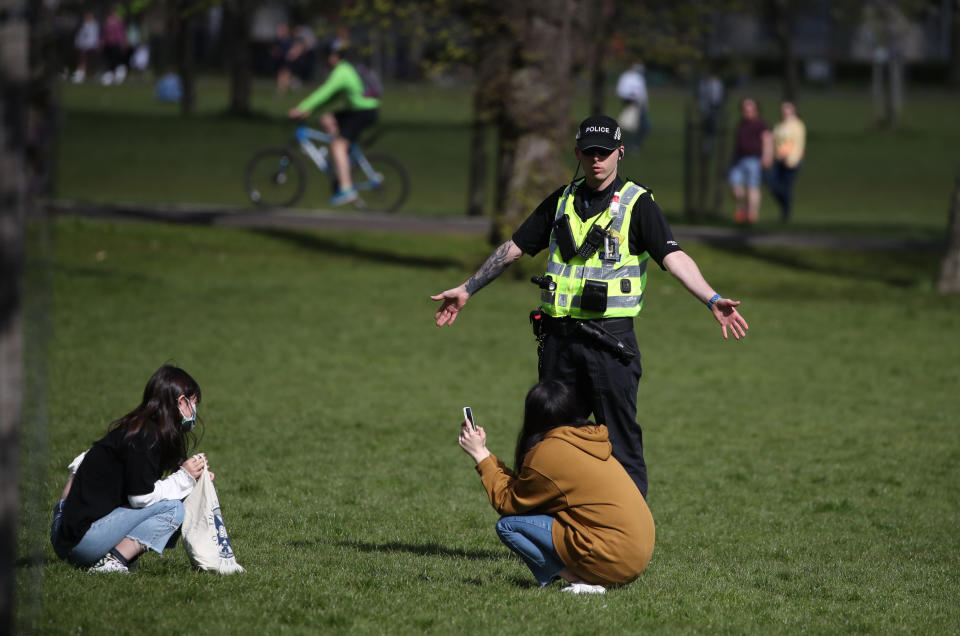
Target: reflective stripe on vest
x,y
616,301
597,273
625,278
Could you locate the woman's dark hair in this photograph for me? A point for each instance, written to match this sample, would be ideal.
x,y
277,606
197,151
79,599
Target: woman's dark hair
x,y
160,417
549,404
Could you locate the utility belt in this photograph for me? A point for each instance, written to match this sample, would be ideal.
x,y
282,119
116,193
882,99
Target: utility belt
x,y
567,326
602,332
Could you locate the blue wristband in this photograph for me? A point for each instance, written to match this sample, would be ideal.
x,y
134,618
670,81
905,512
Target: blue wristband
x,y
715,298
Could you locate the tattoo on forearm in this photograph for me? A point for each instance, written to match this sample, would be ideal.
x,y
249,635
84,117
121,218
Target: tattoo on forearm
x,y
492,268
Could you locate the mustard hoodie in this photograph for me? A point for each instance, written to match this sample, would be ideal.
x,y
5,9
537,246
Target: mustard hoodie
x,y
604,531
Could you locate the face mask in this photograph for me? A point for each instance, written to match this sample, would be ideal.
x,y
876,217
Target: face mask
x,y
188,422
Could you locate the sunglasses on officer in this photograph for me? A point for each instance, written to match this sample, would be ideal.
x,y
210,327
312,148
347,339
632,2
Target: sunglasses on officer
x,y
602,153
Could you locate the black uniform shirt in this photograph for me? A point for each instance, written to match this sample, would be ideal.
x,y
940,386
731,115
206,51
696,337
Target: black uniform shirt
x,y
649,231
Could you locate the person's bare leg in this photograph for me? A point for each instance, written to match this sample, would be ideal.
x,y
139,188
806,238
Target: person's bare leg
x,y
329,124
283,81
340,149
740,199
130,548
568,576
753,204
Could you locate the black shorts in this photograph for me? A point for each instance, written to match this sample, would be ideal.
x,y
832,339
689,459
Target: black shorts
x,y
352,122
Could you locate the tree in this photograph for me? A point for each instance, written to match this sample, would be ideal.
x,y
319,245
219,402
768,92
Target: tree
x,y
183,20
955,44
603,19
522,54
949,282
782,14
536,91
14,78
236,31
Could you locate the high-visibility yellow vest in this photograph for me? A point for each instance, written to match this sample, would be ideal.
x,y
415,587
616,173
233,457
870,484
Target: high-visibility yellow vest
x,y
625,277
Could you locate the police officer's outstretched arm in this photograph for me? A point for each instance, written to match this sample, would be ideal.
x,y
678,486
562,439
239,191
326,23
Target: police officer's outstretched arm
x,y
724,310
454,299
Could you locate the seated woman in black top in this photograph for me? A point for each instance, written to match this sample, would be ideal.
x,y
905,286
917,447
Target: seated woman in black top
x,y
116,506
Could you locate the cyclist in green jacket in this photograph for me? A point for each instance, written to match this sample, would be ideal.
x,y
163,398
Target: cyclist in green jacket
x,y
362,106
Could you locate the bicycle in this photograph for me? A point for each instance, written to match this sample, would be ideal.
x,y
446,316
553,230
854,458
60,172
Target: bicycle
x,y
277,177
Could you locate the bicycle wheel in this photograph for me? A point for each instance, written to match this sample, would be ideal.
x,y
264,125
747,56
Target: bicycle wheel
x,y
383,184
275,177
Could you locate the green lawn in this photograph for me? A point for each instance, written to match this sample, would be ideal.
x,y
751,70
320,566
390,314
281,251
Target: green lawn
x,y
802,480
119,145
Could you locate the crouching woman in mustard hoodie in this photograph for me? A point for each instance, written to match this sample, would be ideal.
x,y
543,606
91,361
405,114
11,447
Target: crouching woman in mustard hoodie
x,y
570,509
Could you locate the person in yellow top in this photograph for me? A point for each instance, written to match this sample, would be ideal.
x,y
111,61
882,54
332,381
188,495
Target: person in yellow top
x,y
362,107
789,145
570,510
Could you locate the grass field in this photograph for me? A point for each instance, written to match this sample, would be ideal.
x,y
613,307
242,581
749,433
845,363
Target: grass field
x,y
804,479
119,145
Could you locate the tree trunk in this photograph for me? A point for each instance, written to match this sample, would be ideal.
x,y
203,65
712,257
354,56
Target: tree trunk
x,y
604,23
477,182
895,85
949,282
186,57
955,45
491,70
783,23
236,26
534,129
14,76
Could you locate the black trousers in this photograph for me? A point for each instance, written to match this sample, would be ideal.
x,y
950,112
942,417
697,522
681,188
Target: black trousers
x,y
607,389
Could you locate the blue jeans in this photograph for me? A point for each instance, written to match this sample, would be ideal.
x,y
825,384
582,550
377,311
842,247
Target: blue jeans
x,y
530,536
747,172
780,181
152,526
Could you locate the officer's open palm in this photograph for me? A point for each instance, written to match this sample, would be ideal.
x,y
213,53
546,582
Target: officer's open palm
x,y
453,301
725,311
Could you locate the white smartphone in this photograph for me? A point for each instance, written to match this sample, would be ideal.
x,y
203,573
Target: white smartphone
x,y
468,415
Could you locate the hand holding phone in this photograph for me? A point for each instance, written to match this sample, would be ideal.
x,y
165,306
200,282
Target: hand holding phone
x,y
468,415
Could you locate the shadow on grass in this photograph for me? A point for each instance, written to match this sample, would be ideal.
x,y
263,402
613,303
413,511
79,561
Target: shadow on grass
x,y
896,269
426,549
30,561
893,235
334,247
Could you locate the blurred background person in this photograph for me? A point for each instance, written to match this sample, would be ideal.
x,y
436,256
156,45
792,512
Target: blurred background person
x,y
710,99
114,40
752,154
634,119
789,145
282,42
86,42
344,84
298,63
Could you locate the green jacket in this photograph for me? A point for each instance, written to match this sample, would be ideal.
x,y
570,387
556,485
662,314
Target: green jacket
x,y
344,82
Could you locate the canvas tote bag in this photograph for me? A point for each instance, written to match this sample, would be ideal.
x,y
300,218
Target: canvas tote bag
x,y
204,533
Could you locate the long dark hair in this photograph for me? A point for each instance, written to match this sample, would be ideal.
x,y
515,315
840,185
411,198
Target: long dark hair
x,y
549,404
159,415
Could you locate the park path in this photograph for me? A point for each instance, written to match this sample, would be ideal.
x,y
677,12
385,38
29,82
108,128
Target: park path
x,y
247,217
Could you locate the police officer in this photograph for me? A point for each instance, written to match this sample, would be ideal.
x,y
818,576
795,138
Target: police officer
x,y
601,231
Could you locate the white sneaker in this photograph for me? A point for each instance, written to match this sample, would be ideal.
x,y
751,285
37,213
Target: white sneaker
x,y
109,563
584,588
107,78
